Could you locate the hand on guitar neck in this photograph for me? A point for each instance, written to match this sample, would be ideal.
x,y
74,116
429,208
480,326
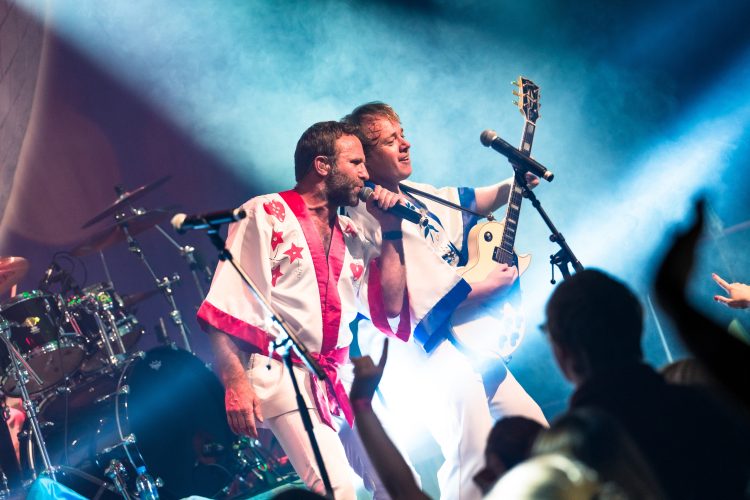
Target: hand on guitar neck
x,y
496,285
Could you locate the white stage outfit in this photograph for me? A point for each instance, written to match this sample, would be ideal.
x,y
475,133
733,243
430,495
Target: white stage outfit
x,y
462,406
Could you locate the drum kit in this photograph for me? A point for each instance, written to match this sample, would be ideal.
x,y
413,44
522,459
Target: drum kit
x,y
102,417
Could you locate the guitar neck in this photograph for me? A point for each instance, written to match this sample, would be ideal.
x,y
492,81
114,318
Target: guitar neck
x,y
515,198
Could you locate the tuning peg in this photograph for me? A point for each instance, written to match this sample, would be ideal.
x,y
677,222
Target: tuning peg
x,y
516,93
514,102
516,84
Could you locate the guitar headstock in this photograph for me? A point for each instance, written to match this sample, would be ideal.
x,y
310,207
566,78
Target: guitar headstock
x,y
528,99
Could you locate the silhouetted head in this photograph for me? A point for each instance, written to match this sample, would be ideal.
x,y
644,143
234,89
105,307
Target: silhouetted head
x,y
595,324
508,445
297,494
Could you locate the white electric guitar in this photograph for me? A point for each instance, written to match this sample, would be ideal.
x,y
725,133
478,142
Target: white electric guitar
x,y
496,328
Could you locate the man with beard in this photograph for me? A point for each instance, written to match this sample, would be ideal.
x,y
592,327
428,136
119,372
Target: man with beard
x,y
459,399
314,267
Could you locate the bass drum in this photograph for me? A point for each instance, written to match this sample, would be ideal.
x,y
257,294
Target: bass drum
x,y
159,411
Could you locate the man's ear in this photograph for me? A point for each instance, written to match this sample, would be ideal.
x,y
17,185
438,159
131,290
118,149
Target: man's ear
x,y
322,166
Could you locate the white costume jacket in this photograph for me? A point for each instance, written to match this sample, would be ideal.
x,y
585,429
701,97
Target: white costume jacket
x,y
279,247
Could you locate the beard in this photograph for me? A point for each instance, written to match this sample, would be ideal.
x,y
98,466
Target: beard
x,y
340,189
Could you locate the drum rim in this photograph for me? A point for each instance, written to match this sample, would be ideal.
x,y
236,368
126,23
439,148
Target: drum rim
x,y
22,297
45,349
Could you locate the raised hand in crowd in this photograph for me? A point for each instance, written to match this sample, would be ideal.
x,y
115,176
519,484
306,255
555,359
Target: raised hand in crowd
x,y
726,357
739,294
389,464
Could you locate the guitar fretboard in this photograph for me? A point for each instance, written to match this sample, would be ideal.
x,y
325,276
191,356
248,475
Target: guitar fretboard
x,y
505,254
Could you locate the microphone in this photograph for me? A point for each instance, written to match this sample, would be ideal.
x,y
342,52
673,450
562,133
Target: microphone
x,y
46,280
398,210
490,139
182,223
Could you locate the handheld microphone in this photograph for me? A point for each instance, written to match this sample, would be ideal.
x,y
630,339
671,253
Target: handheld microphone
x,y
182,223
490,139
398,210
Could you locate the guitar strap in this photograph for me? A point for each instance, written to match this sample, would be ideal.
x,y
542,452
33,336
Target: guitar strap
x,y
436,199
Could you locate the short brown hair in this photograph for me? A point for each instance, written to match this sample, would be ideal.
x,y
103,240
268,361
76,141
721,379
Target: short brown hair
x,y
320,140
367,113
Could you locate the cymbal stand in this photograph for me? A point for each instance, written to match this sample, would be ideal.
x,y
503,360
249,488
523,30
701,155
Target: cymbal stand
x,y
186,252
165,284
21,372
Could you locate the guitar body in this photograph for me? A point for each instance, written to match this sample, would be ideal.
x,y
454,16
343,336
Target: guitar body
x,y
481,244
495,328
491,329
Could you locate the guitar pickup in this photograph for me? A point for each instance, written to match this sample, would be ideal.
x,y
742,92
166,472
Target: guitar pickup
x,y
496,254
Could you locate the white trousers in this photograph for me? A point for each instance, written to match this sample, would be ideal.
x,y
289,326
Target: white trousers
x,y
458,406
341,448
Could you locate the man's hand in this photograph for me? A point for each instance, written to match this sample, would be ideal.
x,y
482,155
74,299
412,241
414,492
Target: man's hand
x,y
739,294
381,200
501,279
367,375
243,407
494,286
531,180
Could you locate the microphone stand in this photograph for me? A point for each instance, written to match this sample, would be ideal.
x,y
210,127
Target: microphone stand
x,y
285,343
565,256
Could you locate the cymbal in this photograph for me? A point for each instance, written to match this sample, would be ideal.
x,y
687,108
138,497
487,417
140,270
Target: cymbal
x,y
12,270
114,234
130,300
124,200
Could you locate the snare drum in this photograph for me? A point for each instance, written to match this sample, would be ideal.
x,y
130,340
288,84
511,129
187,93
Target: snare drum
x,y
46,340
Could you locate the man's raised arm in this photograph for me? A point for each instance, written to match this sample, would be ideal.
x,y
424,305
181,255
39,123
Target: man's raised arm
x,y
392,268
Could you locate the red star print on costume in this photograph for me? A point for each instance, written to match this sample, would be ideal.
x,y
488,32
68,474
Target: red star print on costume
x,y
275,208
276,239
275,274
294,253
356,270
350,229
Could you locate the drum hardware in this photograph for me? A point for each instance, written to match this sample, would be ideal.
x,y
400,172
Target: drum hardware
x,y
128,440
116,471
44,342
165,284
21,372
154,408
61,469
123,390
5,493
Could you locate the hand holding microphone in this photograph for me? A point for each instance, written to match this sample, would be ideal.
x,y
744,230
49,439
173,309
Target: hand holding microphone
x,y
384,202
